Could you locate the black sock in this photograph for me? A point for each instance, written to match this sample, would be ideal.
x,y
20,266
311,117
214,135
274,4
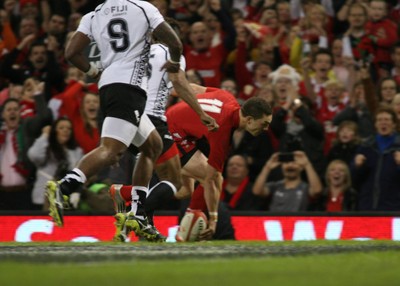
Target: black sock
x,y
160,194
71,183
141,203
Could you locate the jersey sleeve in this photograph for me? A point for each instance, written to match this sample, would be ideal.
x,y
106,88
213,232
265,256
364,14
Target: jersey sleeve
x,y
85,25
155,18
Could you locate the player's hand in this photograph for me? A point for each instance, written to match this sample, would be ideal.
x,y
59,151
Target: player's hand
x,y
209,232
171,67
209,122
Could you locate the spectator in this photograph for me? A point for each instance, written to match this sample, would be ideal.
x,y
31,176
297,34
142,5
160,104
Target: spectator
x,y
30,8
53,154
15,169
8,40
345,144
285,82
396,62
331,105
316,24
14,90
27,99
256,149
237,188
80,103
230,85
251,81
267,92
396,105
387,89
294,126
56,32
16,136
383,34
339,195
376,168
28,30
28,26
10,8
41,65
357,110
291,194
313,85
73,22
356,42
283,10
340,68
203,57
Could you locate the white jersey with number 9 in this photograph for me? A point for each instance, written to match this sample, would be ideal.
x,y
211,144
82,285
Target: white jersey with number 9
x,y
122,30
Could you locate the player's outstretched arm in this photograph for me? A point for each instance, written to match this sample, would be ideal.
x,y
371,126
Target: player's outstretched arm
x,y
184,91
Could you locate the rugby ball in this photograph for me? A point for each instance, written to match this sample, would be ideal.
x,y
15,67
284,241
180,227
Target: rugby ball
x,y
192,224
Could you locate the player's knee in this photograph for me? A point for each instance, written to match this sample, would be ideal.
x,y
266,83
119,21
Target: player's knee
x,y
152,148
176,181
111,154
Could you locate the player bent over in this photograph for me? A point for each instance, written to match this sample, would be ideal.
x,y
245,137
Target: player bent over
x,y
254,116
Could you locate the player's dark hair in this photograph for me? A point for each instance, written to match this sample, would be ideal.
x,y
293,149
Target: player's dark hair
x,y
256,107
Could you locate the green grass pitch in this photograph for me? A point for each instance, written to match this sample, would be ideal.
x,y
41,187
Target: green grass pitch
x,y
322,263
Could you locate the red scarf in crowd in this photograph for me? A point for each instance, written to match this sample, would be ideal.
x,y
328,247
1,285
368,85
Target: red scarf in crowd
x,y
18,146
237,195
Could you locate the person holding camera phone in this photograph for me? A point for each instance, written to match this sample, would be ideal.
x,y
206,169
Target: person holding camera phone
x,y
296,128
292,193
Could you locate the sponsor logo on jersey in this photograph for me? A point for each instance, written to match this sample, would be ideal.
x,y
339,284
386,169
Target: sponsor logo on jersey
x,y
119,9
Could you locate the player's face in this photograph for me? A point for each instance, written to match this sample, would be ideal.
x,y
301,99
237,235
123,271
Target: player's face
x,y
256,126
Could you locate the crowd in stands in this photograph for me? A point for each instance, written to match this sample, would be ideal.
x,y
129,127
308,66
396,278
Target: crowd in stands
x,y
330,70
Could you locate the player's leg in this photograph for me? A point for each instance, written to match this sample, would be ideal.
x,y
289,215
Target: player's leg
x,y
194,168
168,171
150,145
118,131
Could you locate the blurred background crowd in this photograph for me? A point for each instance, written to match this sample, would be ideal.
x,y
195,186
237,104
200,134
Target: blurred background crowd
x,y
330,69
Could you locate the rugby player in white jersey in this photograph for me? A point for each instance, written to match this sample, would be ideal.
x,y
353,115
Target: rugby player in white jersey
x,y
122,30
168,166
